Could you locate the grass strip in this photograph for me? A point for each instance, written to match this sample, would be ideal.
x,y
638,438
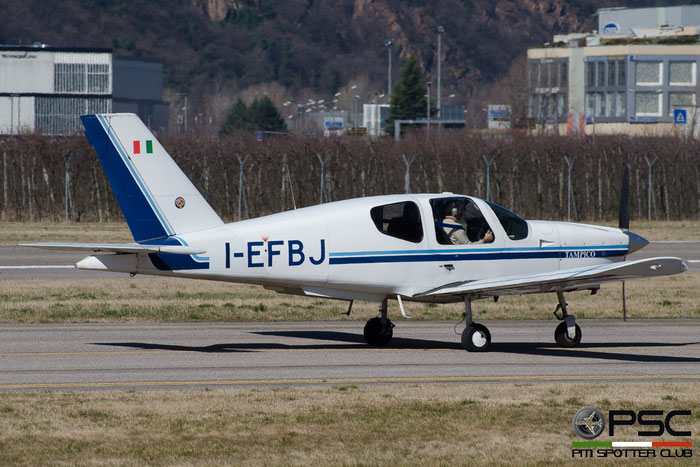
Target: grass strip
x,y
524,424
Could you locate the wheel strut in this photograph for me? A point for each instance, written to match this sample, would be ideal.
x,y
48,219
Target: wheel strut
x,y
567,333
570,320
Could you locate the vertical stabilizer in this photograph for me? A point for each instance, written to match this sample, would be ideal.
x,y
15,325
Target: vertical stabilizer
x,y
156,197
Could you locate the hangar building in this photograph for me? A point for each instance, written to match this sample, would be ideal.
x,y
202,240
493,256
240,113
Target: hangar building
x,y
45,89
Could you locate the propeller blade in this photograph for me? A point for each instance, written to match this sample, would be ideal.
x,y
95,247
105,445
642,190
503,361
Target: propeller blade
x,y
625,200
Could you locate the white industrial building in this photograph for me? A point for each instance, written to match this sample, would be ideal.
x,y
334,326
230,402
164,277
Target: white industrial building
x,y
633,75
45,89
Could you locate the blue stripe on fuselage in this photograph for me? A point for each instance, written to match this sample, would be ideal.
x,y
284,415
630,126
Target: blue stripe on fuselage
x,y
430,256
140,212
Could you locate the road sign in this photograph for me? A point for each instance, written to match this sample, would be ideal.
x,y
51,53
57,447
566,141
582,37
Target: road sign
x,y
680,116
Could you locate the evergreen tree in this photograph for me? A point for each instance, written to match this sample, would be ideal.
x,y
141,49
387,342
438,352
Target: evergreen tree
x,y
238,119
262,115
265,117
408,101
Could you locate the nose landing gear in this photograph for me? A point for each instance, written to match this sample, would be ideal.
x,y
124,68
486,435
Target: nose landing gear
x,y
567,333
475,337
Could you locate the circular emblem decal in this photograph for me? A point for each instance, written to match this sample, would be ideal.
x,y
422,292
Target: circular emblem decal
x,y
179,202
589,422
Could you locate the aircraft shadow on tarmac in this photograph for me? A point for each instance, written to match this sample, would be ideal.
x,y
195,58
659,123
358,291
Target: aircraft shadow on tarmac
x,y
334,340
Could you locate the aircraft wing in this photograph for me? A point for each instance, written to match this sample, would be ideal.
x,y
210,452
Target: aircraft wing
x,y
588,277
118,248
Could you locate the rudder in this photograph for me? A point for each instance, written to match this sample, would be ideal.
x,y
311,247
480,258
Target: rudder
x,y
156,197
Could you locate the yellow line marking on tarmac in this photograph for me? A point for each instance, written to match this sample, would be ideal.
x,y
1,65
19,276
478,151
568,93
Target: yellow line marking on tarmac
x,y
446,379
360,348
595,349
343,324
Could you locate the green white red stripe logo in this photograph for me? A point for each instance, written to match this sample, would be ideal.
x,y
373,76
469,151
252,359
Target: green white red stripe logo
x,y
631,444
145,146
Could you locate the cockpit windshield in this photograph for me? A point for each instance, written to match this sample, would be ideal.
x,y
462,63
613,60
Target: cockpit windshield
x,y
514,225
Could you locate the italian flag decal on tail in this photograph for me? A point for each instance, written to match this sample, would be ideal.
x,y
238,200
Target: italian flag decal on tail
x,y
147,147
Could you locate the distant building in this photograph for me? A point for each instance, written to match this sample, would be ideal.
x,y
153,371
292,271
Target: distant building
x,y
328,122
138,88
627,77
45,89
374,118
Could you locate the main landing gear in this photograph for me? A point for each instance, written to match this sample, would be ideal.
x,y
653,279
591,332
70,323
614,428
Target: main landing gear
x,y
567,333
378,331
475,337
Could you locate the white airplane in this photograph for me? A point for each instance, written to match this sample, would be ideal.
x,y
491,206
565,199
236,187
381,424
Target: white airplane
x,y
437,248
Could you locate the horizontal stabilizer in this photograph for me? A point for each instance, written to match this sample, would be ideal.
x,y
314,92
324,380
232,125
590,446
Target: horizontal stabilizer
x,y
118,248
567,279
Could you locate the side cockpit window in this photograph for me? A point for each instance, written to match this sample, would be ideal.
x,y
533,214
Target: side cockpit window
x,y
400,220
458,221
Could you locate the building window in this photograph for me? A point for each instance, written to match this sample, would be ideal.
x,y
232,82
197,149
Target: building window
x,y
61,115
622,73
564,75
69,77
679,100
599,104
81,78
610,103
590,74
620,104
649,73
601,74
648,104
561,105
682,73
98,78
612,73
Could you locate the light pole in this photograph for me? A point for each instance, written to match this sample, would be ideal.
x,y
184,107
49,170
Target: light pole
x,y
388,43
427,112
440,30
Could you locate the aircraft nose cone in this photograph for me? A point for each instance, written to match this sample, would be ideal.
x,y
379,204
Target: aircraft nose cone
x,y
636,242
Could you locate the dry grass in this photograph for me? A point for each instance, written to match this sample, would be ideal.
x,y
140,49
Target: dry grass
x,y
339,425
659,231
159,299
12,233
118,232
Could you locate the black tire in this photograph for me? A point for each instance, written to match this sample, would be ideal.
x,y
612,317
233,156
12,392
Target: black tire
x,y
562,336
476,338
373,332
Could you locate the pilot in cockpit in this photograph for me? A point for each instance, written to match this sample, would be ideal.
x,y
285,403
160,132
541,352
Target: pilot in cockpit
x,y
455,226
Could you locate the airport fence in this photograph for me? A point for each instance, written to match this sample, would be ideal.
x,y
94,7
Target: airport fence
x,y
540,177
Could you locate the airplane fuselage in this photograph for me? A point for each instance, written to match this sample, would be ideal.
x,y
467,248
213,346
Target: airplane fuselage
x,y
323,251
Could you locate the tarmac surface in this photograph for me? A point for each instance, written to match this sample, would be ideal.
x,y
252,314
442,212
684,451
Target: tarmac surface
x,y
140,356
132,356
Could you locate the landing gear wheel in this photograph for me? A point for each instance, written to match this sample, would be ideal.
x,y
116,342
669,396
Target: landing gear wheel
x,y
374,335
561,335
476,338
